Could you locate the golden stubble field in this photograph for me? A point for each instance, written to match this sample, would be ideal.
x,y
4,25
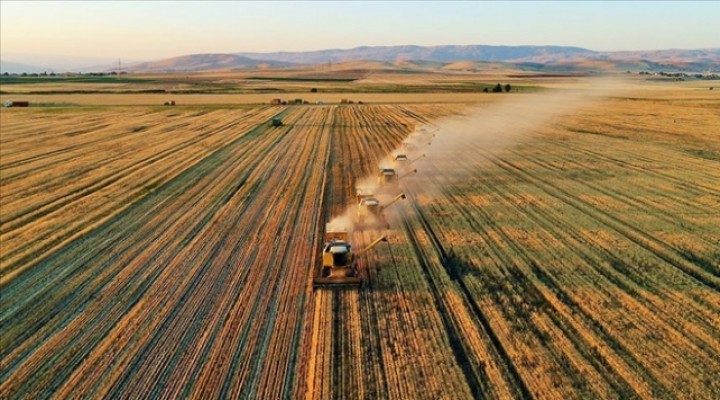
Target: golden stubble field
x,y
544,251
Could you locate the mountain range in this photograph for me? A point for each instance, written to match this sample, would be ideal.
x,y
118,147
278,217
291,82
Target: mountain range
x,y
207,62
425,53
562,57
544,58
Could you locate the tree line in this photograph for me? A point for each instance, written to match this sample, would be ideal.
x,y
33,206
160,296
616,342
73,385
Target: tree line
x,y
498,88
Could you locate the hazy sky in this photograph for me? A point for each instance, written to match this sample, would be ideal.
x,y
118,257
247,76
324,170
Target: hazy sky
x,y
143,30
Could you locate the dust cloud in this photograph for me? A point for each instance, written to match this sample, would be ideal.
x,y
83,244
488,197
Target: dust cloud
x,y
456,147
464,143
344,222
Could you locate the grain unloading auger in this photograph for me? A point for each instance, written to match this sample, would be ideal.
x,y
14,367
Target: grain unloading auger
x,y
407,174
416,159
402,159
339,261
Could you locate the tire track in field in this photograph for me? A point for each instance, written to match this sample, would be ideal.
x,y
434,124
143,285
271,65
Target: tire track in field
x,y
619,384
74,229
474,375
694,187
510,371
670,217
39,210
143,381
650,243
170,187
616,263
589,261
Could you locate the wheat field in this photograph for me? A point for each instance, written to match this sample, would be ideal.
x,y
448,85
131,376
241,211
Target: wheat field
x,y
152,252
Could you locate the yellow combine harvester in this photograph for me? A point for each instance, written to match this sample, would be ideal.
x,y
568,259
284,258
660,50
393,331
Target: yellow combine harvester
x,y
370,211
389,177
338,260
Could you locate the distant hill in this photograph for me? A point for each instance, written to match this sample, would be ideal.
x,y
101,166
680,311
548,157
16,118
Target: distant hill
x,y
449,58
699,60
18,68
546,58
426,53
205,62
406,58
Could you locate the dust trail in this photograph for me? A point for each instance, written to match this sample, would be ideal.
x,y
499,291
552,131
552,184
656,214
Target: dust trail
x,y
455,147
463,142
370,186
343,222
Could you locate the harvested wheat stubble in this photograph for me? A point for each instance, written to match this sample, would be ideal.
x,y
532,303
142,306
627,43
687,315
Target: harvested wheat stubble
x,y
170,253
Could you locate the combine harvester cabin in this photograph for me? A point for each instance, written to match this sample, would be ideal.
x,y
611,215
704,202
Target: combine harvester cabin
x,y
388,177
370,212
339,268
